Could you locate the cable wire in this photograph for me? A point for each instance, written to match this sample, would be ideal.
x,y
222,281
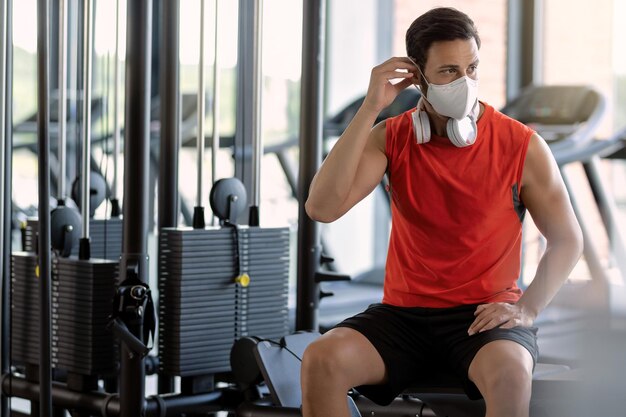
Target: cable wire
x,y
283,345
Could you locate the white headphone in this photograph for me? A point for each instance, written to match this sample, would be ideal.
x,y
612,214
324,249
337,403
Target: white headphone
x,y
460,132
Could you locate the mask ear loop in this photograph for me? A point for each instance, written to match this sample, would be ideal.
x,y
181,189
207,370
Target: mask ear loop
x,y
418,68
421,124
419,88
421,73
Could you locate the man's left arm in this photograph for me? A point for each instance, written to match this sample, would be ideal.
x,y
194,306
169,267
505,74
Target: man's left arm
x,y
545,196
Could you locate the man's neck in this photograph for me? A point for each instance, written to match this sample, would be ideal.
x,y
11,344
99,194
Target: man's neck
x,y
438,122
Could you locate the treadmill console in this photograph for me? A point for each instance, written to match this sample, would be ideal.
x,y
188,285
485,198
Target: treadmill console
x,y
556,112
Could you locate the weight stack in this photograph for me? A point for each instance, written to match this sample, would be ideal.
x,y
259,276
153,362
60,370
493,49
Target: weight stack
x,y
202,310
82,299
82,294
105,238
24,308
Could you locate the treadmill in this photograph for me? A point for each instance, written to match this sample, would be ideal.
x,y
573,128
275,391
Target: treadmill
x,y
568,117
584,327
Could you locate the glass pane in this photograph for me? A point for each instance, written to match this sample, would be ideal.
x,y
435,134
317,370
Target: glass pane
x,y
24,108
190,19
619,58
578,48
282,61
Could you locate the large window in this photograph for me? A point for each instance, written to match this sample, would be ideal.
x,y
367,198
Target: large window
x,y
24,105
189,49
578,45
583,45
25,92
619,63
281,60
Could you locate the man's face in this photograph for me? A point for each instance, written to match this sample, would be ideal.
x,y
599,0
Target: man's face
x,y
447,61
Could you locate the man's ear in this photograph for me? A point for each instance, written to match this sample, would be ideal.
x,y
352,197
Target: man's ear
x,y
423,87
417,76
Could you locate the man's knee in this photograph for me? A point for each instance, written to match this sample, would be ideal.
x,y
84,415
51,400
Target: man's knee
x,y
342,358
513,380
503,368
320,357
322,361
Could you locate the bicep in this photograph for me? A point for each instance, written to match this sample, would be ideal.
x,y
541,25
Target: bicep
x,y
544,193
371,169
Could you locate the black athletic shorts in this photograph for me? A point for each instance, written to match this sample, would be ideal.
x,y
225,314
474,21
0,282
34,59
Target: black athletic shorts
x,y
416,343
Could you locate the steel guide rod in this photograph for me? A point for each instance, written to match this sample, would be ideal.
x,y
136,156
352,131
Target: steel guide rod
x,y
6,186
170,115
257,89
62,119
43,152
168,204
115,209
84,249
201,111
4,406
198,213
74,39
215,144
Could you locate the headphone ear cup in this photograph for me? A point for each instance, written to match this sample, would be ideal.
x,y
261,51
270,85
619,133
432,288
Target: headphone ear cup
x,y
462,132
421,126
425,126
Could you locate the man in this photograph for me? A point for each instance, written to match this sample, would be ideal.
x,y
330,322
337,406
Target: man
x,y
461,177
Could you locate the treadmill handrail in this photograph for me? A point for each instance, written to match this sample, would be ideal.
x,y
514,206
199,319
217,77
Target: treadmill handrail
x,y
597,147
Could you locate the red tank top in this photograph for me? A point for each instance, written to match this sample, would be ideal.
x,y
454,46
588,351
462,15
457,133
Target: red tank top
x,y
456,214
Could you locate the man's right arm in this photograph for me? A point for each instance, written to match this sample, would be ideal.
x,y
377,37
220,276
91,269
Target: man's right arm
x,y
352,169
357,162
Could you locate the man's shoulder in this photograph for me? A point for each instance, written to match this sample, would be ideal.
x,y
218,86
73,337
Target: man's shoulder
x,y
399,124
395,132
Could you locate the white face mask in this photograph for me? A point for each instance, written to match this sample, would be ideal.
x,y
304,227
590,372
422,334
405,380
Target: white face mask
x,y
456,99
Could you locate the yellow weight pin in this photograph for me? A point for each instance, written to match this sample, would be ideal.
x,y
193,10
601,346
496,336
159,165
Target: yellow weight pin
x,y
243,280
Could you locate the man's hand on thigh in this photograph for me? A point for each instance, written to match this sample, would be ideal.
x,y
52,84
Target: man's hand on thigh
x,y
503,315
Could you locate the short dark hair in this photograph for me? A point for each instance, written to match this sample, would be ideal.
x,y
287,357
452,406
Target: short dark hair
x,y
439,24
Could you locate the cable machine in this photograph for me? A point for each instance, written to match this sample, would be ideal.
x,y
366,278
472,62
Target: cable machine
x,y
250,262
217,283
105,233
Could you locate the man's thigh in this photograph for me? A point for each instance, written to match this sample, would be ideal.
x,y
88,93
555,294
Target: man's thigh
x,y
402,340
462,349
